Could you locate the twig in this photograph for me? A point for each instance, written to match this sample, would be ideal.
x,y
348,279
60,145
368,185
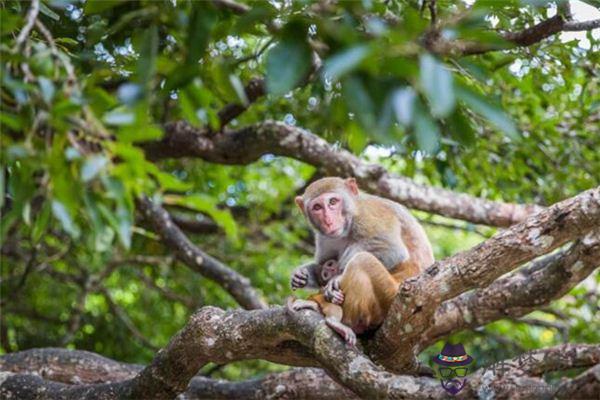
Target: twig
x,y
97,128
561,328
213,369
453,226
432,10
167,293
75,319
257,54
232,6
122,315
30,20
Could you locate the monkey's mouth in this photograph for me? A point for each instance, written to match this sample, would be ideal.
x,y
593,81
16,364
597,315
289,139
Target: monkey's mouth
x,y
333,231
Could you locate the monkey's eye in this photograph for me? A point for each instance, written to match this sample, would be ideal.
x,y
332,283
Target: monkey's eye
x,y
333,201
317,207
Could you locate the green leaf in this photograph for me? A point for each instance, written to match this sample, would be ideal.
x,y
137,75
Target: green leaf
x,y
47,88
288,62
436,82
146,66
97,6
41,223
202,20
488,110
238,87
207,205
9,21
403,101
359,101
119,117
139,133
2,187
343,62
357,139
170,182
48,12
122,221
12,121
130,93
100,100
427,134
92,167
460,128
67,41
61,213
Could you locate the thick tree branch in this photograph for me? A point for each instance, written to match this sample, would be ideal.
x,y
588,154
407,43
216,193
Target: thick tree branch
x,y
82,367
297,383
519,293
247,145
29,373
68,366
584,386
519,378
237,285
413,309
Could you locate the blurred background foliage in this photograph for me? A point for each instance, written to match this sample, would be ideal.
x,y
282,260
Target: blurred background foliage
x,y
95,78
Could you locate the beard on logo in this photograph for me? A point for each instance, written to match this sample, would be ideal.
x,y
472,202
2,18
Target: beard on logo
x,y
453,386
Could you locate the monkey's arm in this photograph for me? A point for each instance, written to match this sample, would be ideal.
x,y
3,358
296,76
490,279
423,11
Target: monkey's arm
x,y
305,276
333,293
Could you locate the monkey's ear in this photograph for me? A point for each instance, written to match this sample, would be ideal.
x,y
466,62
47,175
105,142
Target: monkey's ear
x,y
300,203
351,184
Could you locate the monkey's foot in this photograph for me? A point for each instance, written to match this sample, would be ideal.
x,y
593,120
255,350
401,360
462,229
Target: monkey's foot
x,y
344,331
299,304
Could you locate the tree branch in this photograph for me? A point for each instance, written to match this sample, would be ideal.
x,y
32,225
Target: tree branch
x,y
435,42
237,285
504,379
254,90
518,294
29,22
121,314
518,378
236,8
584,386
248,144
413,309
582,25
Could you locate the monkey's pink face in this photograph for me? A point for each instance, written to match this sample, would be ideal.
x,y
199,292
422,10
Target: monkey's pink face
x,y
327,214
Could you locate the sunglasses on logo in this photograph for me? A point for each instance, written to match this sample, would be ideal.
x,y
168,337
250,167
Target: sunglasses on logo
x,y
452,372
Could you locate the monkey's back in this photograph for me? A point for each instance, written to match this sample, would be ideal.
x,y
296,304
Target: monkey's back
x,y
392,215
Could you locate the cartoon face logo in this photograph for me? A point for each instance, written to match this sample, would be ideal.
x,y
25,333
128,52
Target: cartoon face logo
x,y
453,367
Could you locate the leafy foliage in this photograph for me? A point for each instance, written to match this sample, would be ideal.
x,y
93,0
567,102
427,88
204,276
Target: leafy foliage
x,y
99,77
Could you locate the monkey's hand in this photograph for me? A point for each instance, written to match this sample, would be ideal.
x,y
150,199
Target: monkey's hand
x,y
333,293
299,278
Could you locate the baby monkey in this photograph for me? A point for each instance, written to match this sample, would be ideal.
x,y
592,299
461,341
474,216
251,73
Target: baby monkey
x,y
333,313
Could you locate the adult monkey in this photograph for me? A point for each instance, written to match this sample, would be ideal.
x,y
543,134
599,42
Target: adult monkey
x,y
377,243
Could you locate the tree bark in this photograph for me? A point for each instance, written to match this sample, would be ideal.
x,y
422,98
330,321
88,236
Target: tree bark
x,y
248,144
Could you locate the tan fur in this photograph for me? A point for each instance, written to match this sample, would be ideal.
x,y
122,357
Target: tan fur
x,y
368,287
321,186
372,288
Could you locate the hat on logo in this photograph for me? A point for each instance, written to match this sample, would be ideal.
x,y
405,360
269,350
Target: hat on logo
x,y
453,355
